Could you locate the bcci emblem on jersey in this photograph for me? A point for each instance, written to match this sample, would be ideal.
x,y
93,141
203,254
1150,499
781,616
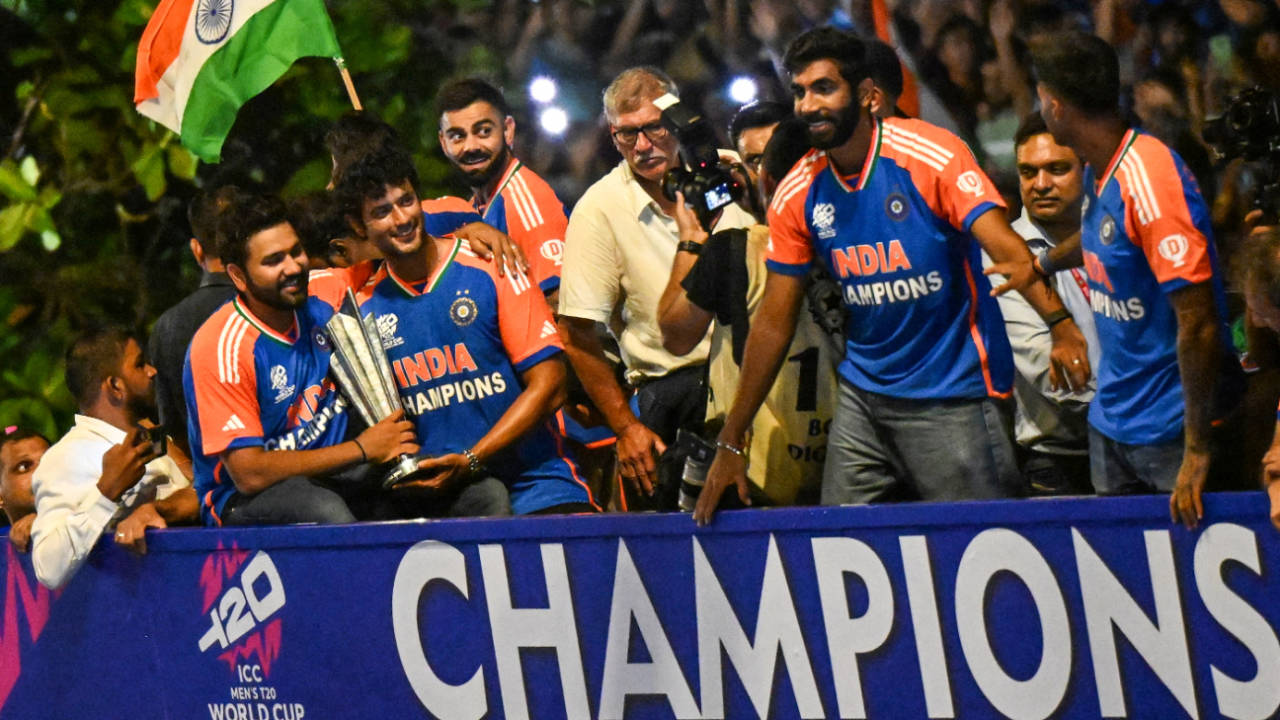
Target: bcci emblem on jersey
x,y
895,206
280,383
463,311
824,219
1107,230
387,325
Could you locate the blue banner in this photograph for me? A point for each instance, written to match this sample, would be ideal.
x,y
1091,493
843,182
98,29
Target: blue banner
x,y
1023,609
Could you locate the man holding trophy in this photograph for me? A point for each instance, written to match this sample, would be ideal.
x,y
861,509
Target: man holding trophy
x,y
266,424
476,357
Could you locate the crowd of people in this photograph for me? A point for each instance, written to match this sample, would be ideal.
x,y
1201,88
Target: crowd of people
x,y
969,267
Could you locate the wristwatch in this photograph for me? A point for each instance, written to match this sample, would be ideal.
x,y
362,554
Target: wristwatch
x,y
1043,264
689,246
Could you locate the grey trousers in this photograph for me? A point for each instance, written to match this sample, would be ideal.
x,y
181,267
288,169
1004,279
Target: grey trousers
x,y
884,449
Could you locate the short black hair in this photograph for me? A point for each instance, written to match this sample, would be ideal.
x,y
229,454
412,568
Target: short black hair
x,y
1081,69
94,356
204,215
789,143
884,66
18,434
459,94
1031,126
317,220
828,43
370,176
250,215
756,115
353,136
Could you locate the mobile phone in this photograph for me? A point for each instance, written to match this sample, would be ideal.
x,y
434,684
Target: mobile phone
x,y
156,437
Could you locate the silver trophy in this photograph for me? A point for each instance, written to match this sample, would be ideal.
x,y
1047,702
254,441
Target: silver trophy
x,y
361,368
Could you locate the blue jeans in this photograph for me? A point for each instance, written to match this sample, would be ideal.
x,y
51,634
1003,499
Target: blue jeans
x,y
884,448
293,500
1118,468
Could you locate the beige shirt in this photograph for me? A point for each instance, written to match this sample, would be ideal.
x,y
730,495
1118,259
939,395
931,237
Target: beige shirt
x,y
618,251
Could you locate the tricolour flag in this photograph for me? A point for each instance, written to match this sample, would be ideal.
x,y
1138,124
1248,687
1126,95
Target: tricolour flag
x,y
200,60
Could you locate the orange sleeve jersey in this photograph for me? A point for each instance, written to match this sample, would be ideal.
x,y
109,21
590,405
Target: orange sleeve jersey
x,y
526,208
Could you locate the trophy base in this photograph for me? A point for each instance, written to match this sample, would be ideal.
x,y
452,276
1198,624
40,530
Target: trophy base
x,y
404,468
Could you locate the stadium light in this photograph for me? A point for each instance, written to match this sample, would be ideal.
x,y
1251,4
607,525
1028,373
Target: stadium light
x,y
743,90
542,89
554,120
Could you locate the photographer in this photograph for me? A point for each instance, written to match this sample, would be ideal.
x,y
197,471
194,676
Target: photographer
x,y
619,246
106,467
721,277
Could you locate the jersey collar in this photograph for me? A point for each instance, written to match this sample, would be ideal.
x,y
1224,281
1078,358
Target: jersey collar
x,y
263,328
1125,143
513,167
868,165
409,290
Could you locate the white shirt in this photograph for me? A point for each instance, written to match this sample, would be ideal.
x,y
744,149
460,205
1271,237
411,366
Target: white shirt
x,y
71,513
619,247
1049,421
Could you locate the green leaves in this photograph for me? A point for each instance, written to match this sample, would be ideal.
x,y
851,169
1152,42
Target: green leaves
x,y
29,207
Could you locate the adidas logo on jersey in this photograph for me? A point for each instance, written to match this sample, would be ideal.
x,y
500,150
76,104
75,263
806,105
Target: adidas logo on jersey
x,y
548,329
233,423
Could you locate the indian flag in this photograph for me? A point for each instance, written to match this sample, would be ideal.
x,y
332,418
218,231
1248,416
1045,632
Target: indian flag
x,y
200,60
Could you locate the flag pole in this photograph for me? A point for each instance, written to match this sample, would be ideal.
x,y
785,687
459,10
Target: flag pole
x,y
346,81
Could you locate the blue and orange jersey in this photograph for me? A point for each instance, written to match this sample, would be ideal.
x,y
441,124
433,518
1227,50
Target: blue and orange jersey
x,y
921,321
527,209
250,386
1145,234
458,343
444,215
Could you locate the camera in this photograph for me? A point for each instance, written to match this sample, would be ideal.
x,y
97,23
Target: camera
x,y
707,182
1250,130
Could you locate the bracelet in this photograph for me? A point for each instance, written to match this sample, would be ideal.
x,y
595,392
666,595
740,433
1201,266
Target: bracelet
x,y
473,462
363,457
1054,318
736,450
689,246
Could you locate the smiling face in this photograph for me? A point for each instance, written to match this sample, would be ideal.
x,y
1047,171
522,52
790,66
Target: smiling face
x,y
825,101
648,158
477,140
393,221
1049,177
275,269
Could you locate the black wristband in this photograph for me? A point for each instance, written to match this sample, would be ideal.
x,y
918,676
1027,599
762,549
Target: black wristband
x,y
689,246
1054,318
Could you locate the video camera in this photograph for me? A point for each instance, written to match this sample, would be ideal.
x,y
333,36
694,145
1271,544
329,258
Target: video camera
x,y
708,183
1250,130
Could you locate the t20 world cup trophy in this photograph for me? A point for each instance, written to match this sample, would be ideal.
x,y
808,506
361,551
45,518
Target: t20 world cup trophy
x,y
361,368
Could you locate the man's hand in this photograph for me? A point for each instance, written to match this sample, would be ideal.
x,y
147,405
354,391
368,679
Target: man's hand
x,y
20,532
123,465
1185,505
1019,274
439,472
687,221
487,241
726,469
638,448
1069,359
131,532
390,438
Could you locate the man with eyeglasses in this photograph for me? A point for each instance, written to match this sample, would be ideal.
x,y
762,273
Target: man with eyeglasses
x,y
619,247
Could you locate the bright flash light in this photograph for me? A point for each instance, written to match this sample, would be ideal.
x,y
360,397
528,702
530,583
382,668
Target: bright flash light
x,y
542,89
554,120
742,90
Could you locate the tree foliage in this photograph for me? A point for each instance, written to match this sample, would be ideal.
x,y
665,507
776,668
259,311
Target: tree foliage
x,y
92,221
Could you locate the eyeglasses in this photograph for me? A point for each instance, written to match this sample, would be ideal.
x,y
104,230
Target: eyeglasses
x,y
628,136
